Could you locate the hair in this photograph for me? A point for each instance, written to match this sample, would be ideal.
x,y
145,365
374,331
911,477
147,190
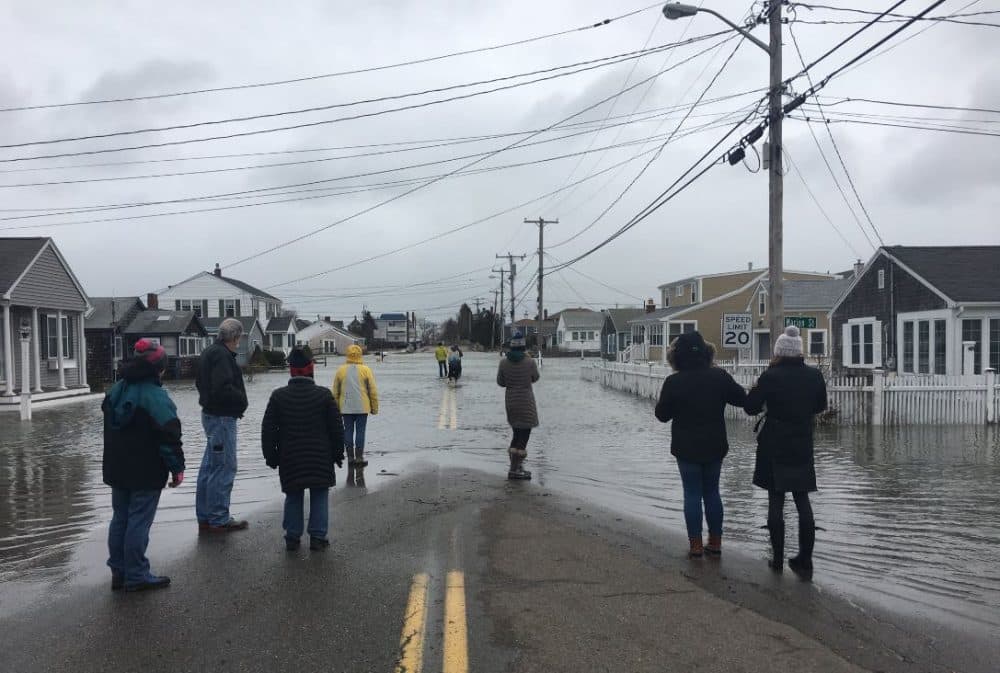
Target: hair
x,y
685,359
230,330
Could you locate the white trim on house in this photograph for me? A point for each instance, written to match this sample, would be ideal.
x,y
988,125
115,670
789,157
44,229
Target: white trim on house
x,y
848,344
948,315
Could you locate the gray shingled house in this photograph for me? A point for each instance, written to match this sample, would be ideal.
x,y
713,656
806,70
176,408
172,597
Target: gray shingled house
x,y
181,333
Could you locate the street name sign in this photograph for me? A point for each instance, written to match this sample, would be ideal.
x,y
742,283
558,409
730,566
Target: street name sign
x,y
802,322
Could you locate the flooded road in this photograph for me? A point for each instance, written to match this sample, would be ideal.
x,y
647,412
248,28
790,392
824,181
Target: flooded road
x,y
911,516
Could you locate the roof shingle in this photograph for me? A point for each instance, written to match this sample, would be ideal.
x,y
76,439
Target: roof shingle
x,y
15,256
963,273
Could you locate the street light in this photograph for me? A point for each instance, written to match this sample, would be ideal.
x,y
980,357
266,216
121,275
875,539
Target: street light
x,y
776,299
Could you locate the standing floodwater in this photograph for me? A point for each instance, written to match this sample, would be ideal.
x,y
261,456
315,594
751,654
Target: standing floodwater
x,y
911,515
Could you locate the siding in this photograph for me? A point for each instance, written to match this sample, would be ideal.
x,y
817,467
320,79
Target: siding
x,y
48,284
50,377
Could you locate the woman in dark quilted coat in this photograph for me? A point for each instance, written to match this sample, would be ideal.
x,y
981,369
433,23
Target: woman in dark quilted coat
x,y
517,373
302,435
792,394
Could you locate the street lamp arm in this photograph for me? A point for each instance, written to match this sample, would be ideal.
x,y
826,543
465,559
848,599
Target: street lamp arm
x,y
678,10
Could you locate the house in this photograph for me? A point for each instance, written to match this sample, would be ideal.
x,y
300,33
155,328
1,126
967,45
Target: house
x,y
212,295
181,333
531,330
922,310
392,329
579,330
42,299
616,335
328,337
103,326
251,341
280,334
699,303
807,306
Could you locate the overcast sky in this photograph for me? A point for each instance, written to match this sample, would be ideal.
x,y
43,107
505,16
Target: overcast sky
x,y
920,188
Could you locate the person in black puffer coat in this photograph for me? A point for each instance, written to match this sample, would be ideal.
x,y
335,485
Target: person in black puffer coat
x,y
302,435
793,394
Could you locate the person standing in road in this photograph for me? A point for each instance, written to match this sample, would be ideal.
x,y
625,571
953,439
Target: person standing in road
x,y
357,396
441,355
142,445
223,399
455,363
302,434
694,398
516,374
792,393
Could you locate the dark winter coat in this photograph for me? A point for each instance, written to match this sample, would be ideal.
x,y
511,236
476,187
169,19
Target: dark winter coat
x,y
220,383
695,400
302,434
792,393
142,434
516,374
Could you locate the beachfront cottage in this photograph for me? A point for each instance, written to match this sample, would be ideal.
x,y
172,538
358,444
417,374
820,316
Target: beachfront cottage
x,y
40,295
104,326
579,330
280,334
251,341
922,310
212,295
181,333
616,335
329,338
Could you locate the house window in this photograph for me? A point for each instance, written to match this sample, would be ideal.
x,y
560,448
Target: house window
x,y
972,330
656,335
762,303
229,308
924,347
680,290
189,346
153,340
908,333
678,328
995,344
118,348
817,342
881,279
940,346
52,338
694,293
863,344
196,305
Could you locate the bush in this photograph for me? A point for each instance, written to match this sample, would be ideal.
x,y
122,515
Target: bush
x,y
274,358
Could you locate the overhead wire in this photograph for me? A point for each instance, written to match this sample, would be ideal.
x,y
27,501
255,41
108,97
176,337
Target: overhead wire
x,y
595,280
819,206
958,18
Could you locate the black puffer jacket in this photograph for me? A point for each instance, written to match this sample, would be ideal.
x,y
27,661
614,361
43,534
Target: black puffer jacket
x,y
220,383
302,434
792,394
695,399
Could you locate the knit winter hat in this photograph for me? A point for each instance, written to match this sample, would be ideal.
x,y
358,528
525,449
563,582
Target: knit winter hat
x,y
152,353
299,363
789,344
517,340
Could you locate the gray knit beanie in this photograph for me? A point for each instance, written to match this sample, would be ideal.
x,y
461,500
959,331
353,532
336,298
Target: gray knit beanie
x,y
789,344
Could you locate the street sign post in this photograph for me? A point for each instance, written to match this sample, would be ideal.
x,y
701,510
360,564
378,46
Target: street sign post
x,y
802,322
736,330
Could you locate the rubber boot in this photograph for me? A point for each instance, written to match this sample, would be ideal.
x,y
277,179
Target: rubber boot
x,y
516,471
359,460
776,531
697,548
802,564
714,547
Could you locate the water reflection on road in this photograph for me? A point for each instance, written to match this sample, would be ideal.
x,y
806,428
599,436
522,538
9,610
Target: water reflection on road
x,y
911,516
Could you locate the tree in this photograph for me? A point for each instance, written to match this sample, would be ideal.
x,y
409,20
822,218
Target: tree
x,y
450,331
368,326
465,321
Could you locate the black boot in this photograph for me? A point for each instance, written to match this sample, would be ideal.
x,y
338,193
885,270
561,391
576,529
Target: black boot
x,y
802,564
776,531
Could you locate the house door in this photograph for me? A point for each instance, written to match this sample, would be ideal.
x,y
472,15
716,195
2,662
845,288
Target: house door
x,y
763,345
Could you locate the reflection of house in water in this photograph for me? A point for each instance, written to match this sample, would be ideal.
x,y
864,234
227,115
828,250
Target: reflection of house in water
x,y
51,471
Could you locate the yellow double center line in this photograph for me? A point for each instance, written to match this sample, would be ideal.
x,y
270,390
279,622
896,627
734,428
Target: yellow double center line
x,y
456,638
448,415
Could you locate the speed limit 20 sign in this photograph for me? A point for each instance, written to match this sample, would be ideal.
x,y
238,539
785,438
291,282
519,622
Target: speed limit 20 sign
x,y
736,329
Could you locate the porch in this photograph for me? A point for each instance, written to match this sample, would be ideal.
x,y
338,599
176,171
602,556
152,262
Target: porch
x,y
55,345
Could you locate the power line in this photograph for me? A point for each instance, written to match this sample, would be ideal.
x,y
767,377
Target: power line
x,y
819,206
596,280
581,66
309,78
915,127
927,106
892,17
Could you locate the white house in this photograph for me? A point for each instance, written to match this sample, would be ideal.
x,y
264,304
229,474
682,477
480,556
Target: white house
x,y
250,342
392,328
212,295
280,334
324,337
579,329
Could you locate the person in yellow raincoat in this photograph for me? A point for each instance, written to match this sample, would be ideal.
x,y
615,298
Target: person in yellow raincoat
x,y
357,396
441,355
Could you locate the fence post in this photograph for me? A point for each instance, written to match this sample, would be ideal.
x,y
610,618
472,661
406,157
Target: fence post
x,y
878,397
991,396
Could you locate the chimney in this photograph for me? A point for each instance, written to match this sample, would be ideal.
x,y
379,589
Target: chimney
x,y
749,266
859,266
152,301
650,306
326,318
218,271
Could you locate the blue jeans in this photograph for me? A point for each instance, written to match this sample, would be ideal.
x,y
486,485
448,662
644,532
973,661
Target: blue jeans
x,y
128,535
701,483
354,434
319,513
218,470
442,368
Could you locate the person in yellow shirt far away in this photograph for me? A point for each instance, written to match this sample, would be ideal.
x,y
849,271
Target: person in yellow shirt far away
x,y
441,354
357,396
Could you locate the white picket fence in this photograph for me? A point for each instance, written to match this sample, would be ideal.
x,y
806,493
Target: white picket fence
x,y
880,400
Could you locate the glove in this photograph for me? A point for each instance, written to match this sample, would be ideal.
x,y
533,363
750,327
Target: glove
x,y
273,465
178,479
339,462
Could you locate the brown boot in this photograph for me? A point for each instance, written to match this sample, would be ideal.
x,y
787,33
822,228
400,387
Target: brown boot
x,y
714,547
697,549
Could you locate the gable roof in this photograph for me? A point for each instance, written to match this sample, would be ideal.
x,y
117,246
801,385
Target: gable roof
x,y
582,318
301,324
281,324
620,317
212,324
247,287
16,255
659,314
107,311
964,273
812,294
158,321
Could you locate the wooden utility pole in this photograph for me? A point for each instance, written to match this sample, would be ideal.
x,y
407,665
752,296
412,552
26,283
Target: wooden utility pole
x,y
493,329
541,222
502,271
775,273
512,270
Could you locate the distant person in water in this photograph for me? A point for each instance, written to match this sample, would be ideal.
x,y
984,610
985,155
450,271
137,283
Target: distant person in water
x,y
694,399
142,446
455,363
792,393
302,435
441,355
516,374
357,396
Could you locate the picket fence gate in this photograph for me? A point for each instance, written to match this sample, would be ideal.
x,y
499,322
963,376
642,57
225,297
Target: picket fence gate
x,y
880,399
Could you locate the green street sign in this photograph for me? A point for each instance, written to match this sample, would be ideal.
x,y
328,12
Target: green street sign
x,y
802,322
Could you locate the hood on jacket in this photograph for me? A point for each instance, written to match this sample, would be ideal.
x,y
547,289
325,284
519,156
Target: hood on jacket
x,y
354,354
125,396
516,354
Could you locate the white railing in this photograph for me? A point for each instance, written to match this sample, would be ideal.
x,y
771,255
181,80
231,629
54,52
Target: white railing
x,y
880,400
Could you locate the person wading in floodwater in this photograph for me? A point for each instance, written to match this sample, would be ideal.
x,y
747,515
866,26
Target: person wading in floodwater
x,y
455,364
441,355
517,373
695,399
792,393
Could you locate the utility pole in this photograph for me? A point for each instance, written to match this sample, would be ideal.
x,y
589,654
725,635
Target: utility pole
x,y
513,273
541,222
776,188
502,271
493,327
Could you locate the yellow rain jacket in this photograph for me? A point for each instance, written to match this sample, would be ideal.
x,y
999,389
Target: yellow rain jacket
x,y
354,385
441,353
